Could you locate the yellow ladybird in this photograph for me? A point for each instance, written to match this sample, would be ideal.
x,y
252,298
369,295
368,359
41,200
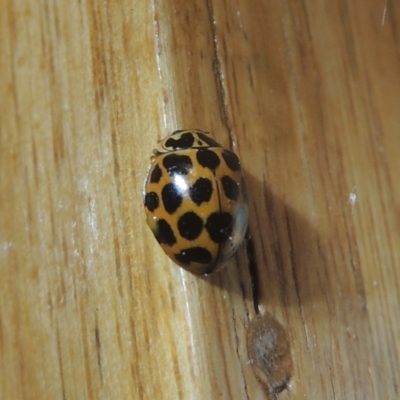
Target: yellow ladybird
x,y
195,200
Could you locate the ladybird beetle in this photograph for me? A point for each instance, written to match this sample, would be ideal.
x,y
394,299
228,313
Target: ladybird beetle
x,y
195,199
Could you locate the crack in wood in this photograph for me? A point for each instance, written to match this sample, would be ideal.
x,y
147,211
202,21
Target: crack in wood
x,y
219,77
253,271
98,349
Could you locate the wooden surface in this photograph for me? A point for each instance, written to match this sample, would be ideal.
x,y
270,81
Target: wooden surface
x,y
307,93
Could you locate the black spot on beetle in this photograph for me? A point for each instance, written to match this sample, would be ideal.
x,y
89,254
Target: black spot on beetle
x,y
184,142
208,139
201,191
231,188
151,201
219,226
156,174
208,159
172,197
198,255
177,164
165,234
232,160
190,225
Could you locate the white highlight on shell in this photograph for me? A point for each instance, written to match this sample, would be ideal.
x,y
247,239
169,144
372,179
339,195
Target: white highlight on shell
x,y
180,181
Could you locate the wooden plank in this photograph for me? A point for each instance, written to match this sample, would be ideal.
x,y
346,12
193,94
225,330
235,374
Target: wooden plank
x,y
307,94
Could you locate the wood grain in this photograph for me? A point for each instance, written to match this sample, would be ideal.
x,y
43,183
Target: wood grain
x,y
307,93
